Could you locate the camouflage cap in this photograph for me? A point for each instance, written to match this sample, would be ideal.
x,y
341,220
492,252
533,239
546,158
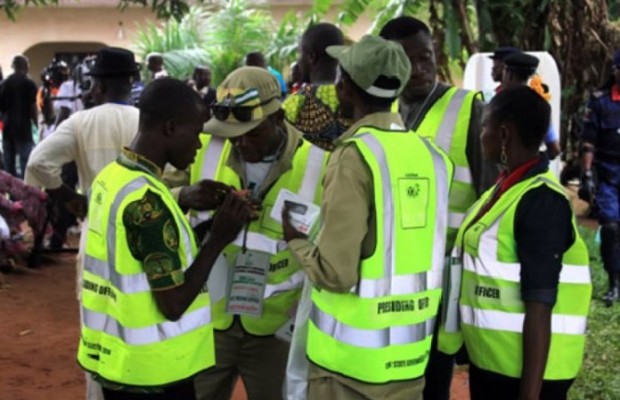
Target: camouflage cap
x,y
245,99
372,58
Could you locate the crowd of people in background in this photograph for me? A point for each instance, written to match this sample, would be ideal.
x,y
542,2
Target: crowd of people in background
x,y
443,236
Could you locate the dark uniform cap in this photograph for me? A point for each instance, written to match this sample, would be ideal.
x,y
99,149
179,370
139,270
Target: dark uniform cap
x,y
502,52
521,61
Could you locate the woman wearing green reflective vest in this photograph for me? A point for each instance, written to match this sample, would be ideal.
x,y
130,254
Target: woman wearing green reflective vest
x,y
520,265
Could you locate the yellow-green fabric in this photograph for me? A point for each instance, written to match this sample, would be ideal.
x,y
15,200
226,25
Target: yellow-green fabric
x,y
446,123
381,331
490,305
125,338
285,278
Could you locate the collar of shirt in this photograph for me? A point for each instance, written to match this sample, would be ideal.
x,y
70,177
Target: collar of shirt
x,y
133,160
282,164
615,93
414,112
507,180
381,120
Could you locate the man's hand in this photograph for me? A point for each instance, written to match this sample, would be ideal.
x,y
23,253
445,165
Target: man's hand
x,y
290,232
230,219
203,195
587,186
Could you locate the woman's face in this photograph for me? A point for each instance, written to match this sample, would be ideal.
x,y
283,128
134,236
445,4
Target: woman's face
x,y
490,137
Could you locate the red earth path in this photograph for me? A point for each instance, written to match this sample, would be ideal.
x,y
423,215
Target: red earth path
x,y
39,335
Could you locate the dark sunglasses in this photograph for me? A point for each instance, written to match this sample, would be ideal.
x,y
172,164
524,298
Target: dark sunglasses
x,y
222,110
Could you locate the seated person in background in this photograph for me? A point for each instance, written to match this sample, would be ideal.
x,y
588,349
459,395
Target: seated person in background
x,y
18,203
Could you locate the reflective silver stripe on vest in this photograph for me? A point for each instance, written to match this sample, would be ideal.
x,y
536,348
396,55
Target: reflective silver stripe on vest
x,y
259,242
462,174
372,287
133,283
312,175
212,158
489,266
150,334
371,338
293,282
390,283
442,185
128,284
513,322
208,170
455,219
448,124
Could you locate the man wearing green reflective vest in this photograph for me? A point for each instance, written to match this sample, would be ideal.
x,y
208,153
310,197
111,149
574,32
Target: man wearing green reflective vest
x,y
525,285
254,151
146,315
450,117
377,265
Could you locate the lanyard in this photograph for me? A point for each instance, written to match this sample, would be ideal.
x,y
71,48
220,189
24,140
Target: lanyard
x,y
253,190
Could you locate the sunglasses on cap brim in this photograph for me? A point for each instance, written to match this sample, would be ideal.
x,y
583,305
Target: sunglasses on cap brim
x,y
221,112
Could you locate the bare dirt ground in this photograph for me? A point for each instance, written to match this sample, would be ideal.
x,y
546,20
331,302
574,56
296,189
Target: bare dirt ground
x,y
39,335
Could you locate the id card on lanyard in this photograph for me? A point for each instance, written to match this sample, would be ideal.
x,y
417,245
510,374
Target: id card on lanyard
x,y
246,286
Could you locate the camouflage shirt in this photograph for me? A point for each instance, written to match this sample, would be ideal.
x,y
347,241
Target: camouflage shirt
x,y
152,232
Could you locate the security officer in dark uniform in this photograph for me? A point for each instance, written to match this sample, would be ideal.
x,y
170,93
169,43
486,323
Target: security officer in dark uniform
x,y
600,151
498,56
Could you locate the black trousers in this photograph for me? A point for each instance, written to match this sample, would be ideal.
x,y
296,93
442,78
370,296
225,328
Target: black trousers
x,y
486,385
181,391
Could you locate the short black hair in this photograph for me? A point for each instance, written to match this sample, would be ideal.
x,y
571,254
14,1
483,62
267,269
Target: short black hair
x,y
382,81
522,73
165,99
526,110
320,36
255,59
402,28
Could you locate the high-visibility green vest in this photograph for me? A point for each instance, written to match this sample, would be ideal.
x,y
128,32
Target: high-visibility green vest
x,y
447,124
125,338
490,305
285,277
381,331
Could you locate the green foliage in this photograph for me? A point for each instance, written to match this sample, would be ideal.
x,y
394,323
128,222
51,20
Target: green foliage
x,y
180,42
282,49
600,375
383,10
11,7
234,31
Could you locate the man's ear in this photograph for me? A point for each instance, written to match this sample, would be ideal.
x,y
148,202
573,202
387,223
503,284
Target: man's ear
x,y
169,128
313,58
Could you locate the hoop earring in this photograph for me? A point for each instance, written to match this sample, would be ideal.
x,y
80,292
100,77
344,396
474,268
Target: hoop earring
x,y
503,158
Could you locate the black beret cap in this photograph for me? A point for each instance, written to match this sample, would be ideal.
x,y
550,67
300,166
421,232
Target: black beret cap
x,y
502,52
521,61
